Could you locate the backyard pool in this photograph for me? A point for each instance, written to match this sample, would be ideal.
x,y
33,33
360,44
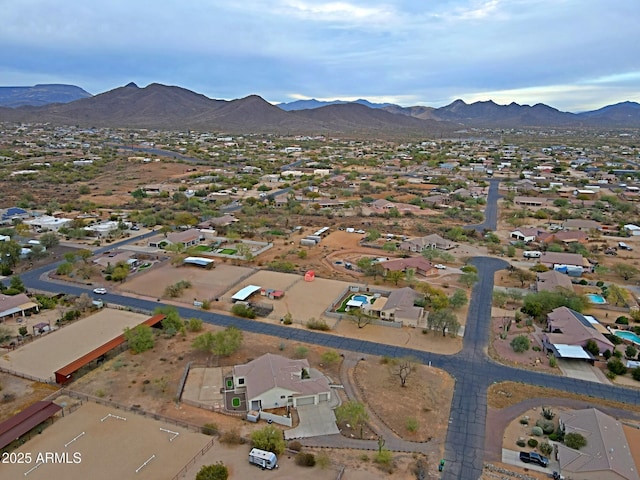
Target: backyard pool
x,y
595,298
632,337
360,298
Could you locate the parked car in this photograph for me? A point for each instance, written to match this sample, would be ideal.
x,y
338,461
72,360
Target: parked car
x,y
100,290
533,457
439,266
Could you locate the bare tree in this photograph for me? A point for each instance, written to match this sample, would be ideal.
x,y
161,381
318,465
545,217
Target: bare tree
x,y
360,318
403,368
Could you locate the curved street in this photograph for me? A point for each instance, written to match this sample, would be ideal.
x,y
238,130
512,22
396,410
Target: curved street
x,y
473,371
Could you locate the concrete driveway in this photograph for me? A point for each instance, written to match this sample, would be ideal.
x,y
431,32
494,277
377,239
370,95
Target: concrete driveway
x,y
512,457
578,369
315,420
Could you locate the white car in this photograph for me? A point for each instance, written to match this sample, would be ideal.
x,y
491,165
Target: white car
x,y
439,266
100,290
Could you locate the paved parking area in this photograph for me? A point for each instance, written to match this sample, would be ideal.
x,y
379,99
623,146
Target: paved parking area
x,y
512,457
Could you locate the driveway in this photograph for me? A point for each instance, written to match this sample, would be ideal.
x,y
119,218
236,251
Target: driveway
x,y
580,370
315,420
512,457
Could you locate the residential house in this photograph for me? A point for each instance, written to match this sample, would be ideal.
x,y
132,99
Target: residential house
x,y
115,257
568,328
419,244
421,265
581,224
45,223
214,222
607,454
12,305
188,238
530,201
527,235
553,280
563,261
566,237
273,381
400,307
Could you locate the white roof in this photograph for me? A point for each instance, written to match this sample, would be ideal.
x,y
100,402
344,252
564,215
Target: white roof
x,y
198,260
631,226
571,351
245,292
355,303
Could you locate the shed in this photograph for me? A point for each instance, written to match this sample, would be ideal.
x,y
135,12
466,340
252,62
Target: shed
x,y
244,293
27,419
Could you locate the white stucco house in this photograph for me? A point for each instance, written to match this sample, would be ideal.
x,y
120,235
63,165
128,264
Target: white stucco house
x,y
273,381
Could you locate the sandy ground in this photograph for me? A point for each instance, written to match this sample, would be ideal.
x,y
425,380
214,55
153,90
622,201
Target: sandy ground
x,y
111,448
205,284
42,357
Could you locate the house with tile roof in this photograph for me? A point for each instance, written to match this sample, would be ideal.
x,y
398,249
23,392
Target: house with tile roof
x,y
607,454
566,327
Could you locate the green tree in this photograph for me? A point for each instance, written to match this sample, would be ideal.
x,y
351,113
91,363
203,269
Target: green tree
x,y
635,373
194,325
444,320
592,347
520,344
9,253
120,273
469,279
523,276
140,338
49,240
458,299
217,471
631,352
221,344
615,365
16,284
395,276
354,413
65,268
171,323
269,438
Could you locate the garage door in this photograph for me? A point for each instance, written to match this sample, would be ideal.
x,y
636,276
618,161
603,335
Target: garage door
x,y
304,401
323,397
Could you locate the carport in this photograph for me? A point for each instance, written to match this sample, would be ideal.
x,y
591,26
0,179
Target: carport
x,y
315,420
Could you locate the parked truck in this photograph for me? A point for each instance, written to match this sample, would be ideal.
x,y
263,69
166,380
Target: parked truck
x,y
263,459
533,457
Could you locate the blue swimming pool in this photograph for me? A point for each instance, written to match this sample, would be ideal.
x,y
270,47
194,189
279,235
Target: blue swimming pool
x,y
360,298
632,337
595,298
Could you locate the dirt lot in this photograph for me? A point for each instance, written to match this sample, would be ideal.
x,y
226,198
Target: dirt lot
x,y
18,394
110,447
428,392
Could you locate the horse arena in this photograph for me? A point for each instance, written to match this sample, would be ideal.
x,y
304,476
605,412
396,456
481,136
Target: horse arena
x,y
100,442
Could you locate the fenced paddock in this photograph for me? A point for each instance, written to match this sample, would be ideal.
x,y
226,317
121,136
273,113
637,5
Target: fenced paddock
x,y
112,444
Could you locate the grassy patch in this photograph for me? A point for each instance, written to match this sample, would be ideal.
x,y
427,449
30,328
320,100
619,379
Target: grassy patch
x,y
227,251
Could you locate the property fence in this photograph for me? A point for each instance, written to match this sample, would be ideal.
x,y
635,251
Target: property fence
x,y
83,397
279,419
183,381
193,461
50,380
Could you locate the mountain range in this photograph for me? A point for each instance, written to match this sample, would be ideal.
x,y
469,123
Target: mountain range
x,y
174,108
39,95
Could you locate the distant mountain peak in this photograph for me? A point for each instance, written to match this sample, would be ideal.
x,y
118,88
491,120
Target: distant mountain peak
x,y
131,85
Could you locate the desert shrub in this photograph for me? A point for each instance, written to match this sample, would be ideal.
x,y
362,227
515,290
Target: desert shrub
x,y
524,421
194,324
546,426
268,438
217,471
630,352
330,357
232,437
553,362
306,459
323,461
383,457
243,310
607,354
314,324
532,442
210,429
295,445
616,366
520,344
545,448
635,373
520,442
412,424
575,440
364,457
301,352
536,431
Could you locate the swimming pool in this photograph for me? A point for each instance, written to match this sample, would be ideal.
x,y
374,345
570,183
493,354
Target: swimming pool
x,y
360,298
632,337
595,298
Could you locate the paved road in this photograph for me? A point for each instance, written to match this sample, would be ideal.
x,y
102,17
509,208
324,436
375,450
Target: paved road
x,y
490,209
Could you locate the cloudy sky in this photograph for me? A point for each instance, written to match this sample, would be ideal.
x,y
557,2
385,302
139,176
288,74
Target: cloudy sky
x,y
574,55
